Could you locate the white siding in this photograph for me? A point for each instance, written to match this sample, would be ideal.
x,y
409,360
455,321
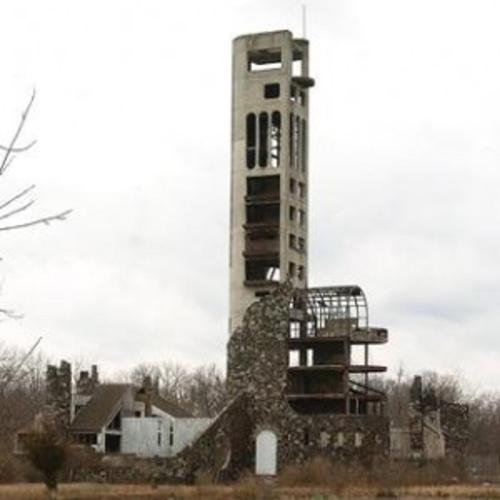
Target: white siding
x,y
140,437
187,430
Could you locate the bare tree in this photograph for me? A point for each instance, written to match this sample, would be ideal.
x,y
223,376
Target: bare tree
x,y
202,391
20,202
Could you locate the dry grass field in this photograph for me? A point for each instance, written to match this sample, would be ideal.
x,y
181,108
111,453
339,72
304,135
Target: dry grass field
x,y
246,490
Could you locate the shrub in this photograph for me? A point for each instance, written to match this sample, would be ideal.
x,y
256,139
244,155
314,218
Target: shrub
x,y
47,452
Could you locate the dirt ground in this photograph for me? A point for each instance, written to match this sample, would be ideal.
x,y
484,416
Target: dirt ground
x,y
245,491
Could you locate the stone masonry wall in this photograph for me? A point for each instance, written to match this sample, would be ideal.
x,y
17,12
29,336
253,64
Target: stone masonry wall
x,y
258,362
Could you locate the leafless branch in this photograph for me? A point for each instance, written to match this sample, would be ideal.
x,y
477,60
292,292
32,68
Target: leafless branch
x,y
9,313
20,149
17,210
11,147
12,374
19,195
43,220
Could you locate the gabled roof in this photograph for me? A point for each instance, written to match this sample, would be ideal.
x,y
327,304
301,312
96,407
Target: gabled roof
x,y
101,408
169,407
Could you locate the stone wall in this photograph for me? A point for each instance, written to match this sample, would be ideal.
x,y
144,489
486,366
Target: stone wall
x,y
257,363
455,423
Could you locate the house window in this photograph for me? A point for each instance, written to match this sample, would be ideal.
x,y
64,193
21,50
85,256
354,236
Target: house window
x,y
159,437
358,439
171,435
116,423
340,439
306,437
291,270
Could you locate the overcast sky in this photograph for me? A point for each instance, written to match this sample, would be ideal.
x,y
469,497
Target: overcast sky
x,y
132,120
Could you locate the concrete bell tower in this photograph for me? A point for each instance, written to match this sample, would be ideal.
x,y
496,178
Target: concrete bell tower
x,y
269,168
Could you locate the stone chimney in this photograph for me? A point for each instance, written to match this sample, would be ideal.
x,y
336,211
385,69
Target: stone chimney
x,y
94,375
148,390
86,385
58,394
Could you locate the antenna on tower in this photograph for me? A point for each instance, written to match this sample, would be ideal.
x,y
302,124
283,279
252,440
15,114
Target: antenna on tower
x,y
304,21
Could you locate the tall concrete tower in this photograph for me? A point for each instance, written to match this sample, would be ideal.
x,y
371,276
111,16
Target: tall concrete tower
x,y
269,170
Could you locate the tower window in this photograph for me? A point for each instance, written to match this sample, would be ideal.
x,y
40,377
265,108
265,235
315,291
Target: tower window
x,y
296,143
264,187
297,66
292,185
294,329
302,217
262,270
291,214
291,270
302,245
303,140
294,358
275,139
273,274
264,60
291,143
263,214
251,140
292,241
272,91
302,190
263,134
300,272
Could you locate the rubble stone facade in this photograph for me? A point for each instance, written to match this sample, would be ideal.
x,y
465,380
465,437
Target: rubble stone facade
x,y
258,358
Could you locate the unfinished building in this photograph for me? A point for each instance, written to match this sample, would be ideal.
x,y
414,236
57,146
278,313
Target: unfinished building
x,y
303,369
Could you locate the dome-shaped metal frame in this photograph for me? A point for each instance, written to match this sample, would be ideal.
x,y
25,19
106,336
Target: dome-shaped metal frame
x,y
333,310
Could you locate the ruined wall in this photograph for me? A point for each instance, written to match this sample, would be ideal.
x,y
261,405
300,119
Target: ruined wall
x,y
257,363
455,424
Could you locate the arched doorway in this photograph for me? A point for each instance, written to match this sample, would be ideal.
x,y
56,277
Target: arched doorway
x,y
266,451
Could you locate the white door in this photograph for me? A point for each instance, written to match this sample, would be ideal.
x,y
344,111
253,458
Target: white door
x,y
266,453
